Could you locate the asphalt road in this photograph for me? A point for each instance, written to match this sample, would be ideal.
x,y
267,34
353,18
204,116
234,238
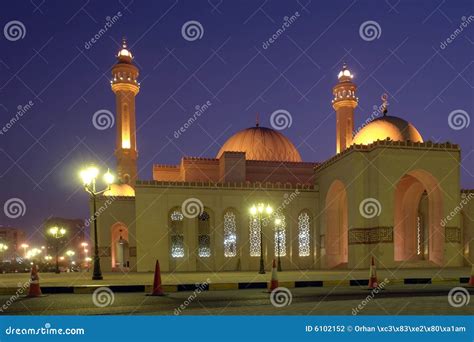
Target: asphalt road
x,y
415,300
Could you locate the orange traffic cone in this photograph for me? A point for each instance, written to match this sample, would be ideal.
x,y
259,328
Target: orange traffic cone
x,y
274,280
35,289
157,289
471,279
373,283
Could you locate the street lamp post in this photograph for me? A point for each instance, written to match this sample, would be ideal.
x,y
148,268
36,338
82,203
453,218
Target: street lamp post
x,y
257,213
278,232
89,177
57,233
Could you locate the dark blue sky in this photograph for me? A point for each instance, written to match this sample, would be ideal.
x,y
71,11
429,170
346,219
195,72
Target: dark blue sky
x,y
50,66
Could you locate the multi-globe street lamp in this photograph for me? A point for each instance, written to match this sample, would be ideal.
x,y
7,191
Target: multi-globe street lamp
x,y
89,177
57,233
260,212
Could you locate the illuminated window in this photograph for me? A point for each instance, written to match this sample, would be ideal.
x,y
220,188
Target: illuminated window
x,y
280,236
204,237
254,237
177,237
230,235
304,244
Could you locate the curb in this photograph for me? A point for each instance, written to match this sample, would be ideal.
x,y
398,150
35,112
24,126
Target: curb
x,y
89,289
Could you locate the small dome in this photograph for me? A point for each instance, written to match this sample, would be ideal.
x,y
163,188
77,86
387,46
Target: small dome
x,y
391,127
120,190
261,143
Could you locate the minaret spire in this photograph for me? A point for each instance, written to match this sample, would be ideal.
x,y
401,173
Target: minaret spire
x,y
125,86
344,103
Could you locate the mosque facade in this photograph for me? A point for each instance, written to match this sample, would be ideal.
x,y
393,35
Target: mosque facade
x,y
386,192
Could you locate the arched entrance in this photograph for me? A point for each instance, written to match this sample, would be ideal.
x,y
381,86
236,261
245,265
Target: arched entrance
x,y
120,247
337,232
418,234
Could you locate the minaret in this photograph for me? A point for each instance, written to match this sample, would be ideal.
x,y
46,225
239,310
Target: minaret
x,y
344,103
125,86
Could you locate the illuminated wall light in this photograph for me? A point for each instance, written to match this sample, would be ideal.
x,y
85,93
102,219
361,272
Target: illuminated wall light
x,y
418,235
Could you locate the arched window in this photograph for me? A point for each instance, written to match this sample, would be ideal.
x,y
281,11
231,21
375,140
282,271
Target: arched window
x,y
254,237
280,235
176,232
204,237
230,235
304,238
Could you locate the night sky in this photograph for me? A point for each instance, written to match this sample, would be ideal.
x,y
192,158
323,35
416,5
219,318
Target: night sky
x,y
425,77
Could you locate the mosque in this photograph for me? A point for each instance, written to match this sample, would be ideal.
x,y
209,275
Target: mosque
x,y
386,192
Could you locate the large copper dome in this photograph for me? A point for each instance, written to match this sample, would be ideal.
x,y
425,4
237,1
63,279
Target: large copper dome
x,y
262,143
391,127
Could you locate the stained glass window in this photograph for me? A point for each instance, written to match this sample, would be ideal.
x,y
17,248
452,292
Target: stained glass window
x,y
254,237
230,235
177,237
280,236
204,237
304,239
